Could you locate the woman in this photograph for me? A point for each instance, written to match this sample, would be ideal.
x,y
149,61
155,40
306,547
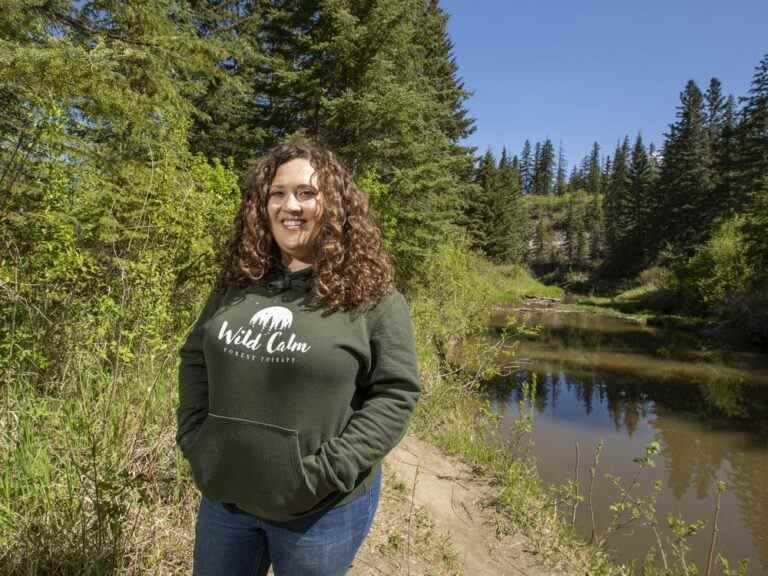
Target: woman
x,y
298,377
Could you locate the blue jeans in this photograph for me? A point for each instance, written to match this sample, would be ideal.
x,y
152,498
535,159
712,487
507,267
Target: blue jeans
x,y
232,542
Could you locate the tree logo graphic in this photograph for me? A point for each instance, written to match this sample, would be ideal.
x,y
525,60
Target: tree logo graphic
x,y
272,318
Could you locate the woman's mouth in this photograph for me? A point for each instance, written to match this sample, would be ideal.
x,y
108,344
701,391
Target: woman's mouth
x,y
293,223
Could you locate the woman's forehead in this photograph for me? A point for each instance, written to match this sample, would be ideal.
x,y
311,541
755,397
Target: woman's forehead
x,y
295,171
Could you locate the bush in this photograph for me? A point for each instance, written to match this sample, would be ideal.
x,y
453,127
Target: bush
x,y
658,277
720,272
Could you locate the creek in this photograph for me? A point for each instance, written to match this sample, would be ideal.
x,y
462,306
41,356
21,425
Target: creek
x,y
601,377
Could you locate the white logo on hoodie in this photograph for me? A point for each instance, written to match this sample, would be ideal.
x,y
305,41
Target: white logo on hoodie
x,y
265,331
273,318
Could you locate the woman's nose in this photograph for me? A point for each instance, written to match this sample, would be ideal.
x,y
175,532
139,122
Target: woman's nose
x,y
292,203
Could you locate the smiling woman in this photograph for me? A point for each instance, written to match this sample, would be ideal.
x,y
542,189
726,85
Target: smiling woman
x,y
294,216
298,377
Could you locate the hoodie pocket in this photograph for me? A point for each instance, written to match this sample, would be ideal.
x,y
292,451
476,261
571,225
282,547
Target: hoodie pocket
x,y
255,465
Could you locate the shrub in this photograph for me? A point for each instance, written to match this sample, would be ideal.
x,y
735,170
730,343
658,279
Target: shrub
x,y
720,272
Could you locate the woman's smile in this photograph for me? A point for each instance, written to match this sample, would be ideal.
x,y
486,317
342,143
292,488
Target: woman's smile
x,y
294,206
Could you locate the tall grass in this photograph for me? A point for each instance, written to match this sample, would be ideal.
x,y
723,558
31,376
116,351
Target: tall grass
x,y
91,481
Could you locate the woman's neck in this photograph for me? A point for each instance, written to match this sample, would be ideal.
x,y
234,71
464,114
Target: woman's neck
x,y
294,264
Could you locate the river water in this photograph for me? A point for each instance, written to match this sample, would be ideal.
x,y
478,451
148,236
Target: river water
x,y
628,384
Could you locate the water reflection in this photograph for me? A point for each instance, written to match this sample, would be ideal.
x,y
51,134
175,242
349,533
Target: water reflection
x,y
628,384
696,452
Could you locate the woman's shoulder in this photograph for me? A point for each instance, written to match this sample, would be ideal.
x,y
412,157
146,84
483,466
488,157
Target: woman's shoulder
x,y
392,302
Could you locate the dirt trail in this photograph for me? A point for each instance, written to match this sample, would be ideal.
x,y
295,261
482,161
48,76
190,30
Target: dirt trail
x,y
442,493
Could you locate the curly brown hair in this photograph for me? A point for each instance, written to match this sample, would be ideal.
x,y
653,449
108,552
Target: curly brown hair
x,y
351,268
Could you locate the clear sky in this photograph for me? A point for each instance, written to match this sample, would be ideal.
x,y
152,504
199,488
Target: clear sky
x,y
596,70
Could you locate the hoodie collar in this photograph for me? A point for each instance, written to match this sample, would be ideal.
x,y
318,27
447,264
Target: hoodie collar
x,y
283,278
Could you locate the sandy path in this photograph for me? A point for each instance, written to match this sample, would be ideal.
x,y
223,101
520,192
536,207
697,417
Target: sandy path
x,y
452,496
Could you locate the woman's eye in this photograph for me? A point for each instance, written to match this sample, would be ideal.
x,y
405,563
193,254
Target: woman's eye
x,y
307,194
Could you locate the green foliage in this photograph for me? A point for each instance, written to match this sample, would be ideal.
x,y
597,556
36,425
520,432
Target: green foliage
x,y
720,271
385,210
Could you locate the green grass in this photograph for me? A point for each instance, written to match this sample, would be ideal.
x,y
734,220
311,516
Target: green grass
x,y
513,283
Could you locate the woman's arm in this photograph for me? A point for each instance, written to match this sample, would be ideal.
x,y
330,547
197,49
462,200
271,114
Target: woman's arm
x,y
393,388
193,378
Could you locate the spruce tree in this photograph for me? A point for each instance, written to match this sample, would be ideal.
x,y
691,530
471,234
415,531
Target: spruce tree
x,y
596,229
620,222
575,181
526,167
545,168
482,205
507,229
753,133
593,175
726,162
561,183
642,183
685,176
517,170
535,168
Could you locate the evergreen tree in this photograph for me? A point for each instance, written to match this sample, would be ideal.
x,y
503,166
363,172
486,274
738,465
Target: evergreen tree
x,y
607,171
561,183
545,168
726,162
481,206
685,176
535,168
441,68
507,228
619,209
575,180
642,178
526,167
753,133
596,229
714,116
227,123
517,170
593,174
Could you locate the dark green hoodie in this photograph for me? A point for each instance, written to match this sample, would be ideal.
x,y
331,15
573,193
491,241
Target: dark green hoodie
x,y
285,412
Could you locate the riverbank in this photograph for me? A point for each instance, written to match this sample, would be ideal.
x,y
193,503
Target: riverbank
x,y
650,301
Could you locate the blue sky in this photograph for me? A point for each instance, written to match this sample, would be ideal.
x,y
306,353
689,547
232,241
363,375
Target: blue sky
x,y
596,70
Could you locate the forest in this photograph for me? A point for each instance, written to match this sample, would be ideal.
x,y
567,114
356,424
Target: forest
x,y
126,129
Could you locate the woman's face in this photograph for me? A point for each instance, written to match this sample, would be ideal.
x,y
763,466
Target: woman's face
x,y
294,206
